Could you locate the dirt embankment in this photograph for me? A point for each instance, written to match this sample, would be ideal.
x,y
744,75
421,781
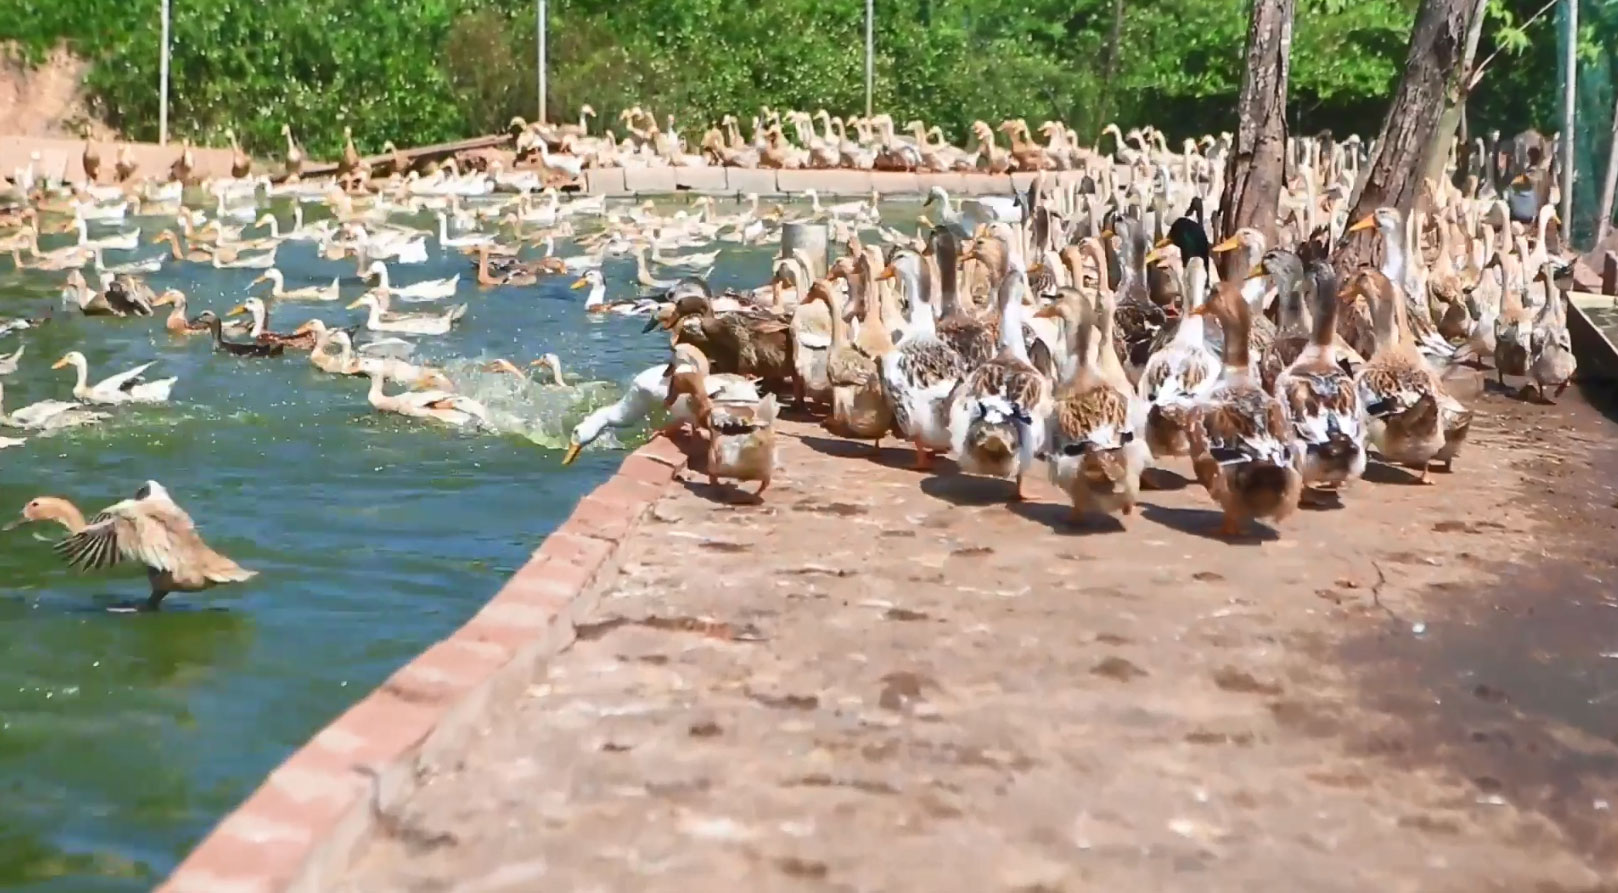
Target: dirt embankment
x,y
46,100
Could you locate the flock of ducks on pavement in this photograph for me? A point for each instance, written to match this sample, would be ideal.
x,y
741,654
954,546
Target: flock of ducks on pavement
x,y
1076,327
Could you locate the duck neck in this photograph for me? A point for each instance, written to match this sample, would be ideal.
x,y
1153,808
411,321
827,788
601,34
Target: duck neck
x,y
1192,324
1011,289
62,512
921,311
260,320
1394,263
839,326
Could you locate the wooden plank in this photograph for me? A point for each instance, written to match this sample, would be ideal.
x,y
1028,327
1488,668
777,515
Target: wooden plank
x,y
420,153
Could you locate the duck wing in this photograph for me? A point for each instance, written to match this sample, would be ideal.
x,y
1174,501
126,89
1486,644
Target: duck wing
x,y
124,381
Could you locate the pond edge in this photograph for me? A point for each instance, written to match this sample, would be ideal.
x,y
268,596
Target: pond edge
x,y
303,826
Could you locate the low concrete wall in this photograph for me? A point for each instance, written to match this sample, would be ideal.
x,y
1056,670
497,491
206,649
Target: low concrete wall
x,y
63,159
301,828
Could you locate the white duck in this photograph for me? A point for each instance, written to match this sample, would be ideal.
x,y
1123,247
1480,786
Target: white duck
x,y
647,391
125,387
280,292
124,241
425,290
406,323
438,406
49,415
471,241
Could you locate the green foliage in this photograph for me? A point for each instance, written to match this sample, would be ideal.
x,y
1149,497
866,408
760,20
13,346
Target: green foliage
x,y
419,71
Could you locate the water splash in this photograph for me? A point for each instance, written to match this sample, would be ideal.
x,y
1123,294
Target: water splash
x,y
544,413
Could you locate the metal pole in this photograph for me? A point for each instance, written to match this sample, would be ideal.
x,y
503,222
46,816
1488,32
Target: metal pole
x,y
1571,59
870,54
163,83
541,26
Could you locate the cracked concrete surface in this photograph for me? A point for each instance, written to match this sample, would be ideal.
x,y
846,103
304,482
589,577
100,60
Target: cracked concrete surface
x,y
880,680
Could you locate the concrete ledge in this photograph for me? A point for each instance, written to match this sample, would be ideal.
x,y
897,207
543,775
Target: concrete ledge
x,y
744,180
1598,358
302,828
63,158
605,181
700,179
640,180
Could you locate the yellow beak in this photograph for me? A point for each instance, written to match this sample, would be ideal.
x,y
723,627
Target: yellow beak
x,y
237,310
258,280
1163,242
581,283
1106,234
59,363
1257,271
358,303
1229,244
888,272
1154,254
1365,222
572,453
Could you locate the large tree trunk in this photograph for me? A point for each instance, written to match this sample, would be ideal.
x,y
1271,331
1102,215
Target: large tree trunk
x,y
1436,58
1256,164
1455,101
1109,66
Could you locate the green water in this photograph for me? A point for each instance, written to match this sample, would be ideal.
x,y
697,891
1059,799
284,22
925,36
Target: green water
x,y
124,737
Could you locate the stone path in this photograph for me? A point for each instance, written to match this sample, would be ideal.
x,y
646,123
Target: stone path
x,y
879,680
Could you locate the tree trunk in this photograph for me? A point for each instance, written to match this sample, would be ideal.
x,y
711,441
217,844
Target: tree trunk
x,y
1455,100
1608,183
1109,67
1256,164
1435,59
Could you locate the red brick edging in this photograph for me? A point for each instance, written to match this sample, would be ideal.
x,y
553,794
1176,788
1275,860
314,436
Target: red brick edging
x,y
301,828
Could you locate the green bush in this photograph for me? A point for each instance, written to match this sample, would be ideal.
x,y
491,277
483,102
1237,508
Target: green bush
x,y
421,71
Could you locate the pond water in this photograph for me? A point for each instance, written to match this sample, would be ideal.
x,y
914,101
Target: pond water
x,y
124,737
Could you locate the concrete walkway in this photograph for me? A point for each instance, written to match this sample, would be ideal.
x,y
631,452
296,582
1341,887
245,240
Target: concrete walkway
x,y
880,680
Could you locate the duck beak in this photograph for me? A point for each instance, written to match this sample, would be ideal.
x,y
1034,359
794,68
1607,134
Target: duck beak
x,y
651,324
1257,271
1229,244
578,284
888,272
1154,254
1047,312
572,453
59,363
1363,223
358,303
237,310
1162,243
258,280
16,523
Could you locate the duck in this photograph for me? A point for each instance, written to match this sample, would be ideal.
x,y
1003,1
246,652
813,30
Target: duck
x,y
380,320
1240,441
1178,376
116,300
859,406
511,271
476,240
294,156
595,301
649,390
1551,361
757,345
997,414
425,290
1138,319
9,362
125,165
1096,451
1513,325
91,161
240,164
1329,423
973,340
440,406
918,376
302,339
811,327
179,251
124,241
176,322
1400,395
1293,332
346,362
125,387
236,348
728,387
150,529
280,292
49,415
741,435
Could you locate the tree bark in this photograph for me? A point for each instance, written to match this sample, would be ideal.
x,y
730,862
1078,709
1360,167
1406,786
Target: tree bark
x,y
1109,68
1608,183
1455,100
1434,61
1255,167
